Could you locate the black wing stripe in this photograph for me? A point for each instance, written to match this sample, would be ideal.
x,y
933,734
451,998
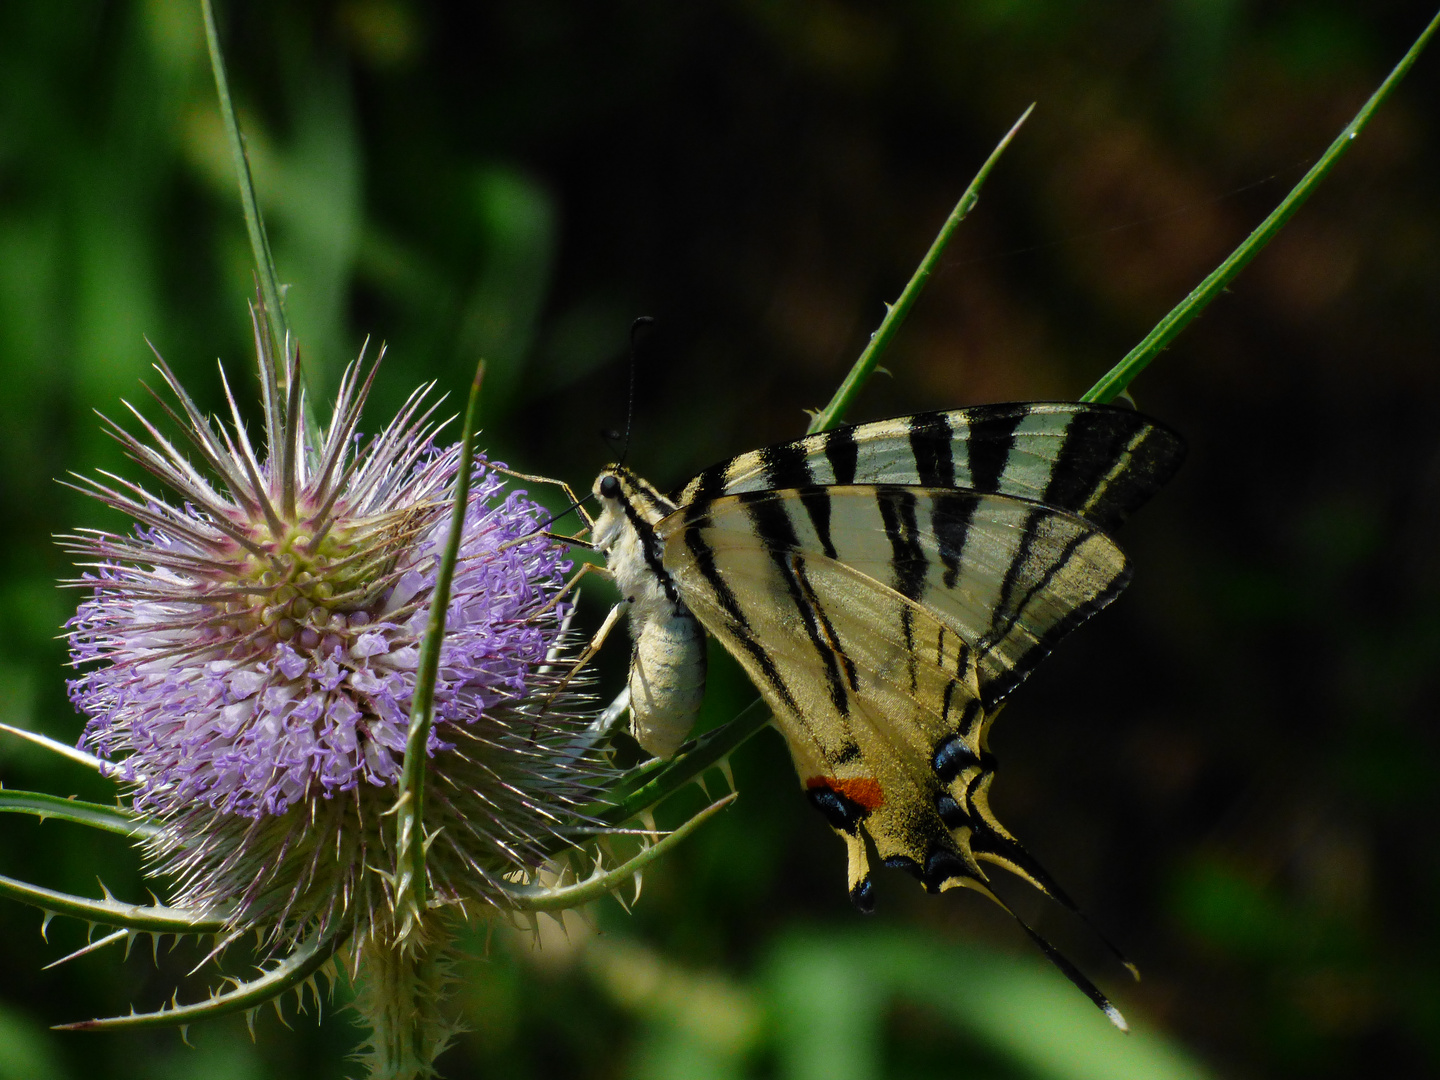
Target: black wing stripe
x,y
931,442
708,485
842,453
908,561
771,520
785,466
1110,463
1154,454
816,501
950,517
1018,564
997,684
831,647
1008,613
991,438
1094,444
704,557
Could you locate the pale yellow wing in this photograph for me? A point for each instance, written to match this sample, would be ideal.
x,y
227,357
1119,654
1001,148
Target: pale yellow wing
x,y
875,641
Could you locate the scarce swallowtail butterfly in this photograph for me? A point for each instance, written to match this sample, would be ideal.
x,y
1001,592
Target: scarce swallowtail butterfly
x,y
886,586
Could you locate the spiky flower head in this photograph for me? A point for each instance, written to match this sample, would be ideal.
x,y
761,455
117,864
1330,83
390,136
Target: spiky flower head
x,y
249,658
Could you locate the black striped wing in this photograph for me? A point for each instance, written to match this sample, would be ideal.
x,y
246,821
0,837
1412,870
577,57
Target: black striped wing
x,y
878,622
1099,461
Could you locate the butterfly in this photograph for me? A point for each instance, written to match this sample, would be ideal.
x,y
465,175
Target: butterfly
x,y
886,586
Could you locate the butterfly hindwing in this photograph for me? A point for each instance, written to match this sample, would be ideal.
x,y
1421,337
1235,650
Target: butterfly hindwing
x,y
871,636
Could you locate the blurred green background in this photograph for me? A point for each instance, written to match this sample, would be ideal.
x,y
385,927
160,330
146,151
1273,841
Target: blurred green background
x,y
1234,769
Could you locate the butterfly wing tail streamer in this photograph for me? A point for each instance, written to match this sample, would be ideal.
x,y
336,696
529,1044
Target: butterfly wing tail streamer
x,y
995,846
1071,972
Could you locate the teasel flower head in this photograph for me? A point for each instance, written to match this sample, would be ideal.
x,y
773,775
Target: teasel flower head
x,y
248,659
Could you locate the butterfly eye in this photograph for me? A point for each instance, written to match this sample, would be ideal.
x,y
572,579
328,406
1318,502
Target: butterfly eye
x,y
609,488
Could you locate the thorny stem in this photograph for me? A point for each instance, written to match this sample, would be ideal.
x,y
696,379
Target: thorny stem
x,y
410,881
399,995
895,313
1113,383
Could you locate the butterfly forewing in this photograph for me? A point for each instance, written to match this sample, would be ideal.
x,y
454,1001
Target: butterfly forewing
x,y
1005,576
1099,461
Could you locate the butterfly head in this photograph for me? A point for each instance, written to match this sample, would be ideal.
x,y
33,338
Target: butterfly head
x,y
626,503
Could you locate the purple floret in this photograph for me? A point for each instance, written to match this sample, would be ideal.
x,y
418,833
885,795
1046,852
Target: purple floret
x,y
253,729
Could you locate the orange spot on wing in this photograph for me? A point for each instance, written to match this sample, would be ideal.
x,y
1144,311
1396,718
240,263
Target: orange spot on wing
x,y
864,791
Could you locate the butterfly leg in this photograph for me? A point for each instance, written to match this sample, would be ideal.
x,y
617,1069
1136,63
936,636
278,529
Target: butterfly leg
x,y
573,541
569,586
530,478
586,654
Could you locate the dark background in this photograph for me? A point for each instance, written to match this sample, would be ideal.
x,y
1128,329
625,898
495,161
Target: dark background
x,y
1234,769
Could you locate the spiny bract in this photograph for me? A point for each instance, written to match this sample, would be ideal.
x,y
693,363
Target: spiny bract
x,y
251,653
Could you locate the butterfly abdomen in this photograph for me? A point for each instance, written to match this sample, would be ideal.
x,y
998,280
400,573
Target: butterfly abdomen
x,y
667,680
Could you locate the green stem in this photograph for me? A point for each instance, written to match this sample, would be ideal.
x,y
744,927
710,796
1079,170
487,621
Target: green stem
x,y
563,897
895,313
254,223
146,918
398,996
410,882
297,969
708,750
113,819
1113,383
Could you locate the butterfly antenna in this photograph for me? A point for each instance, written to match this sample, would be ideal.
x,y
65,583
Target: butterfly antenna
x,y
637,328
575,504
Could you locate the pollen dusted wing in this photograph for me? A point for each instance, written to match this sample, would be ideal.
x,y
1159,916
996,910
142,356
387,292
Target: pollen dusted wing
x,y
878,621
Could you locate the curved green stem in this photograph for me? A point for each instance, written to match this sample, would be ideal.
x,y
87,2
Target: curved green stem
x,y
895,313
1113,383
297,968
154,919
254,222
106,818
542,898
410,881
